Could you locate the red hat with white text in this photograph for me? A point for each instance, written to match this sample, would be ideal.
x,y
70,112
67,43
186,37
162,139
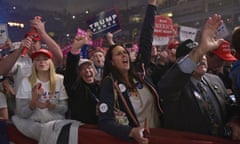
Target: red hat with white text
x,y
224,52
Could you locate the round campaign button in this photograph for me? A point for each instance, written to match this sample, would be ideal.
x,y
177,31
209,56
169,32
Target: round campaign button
x,y
122,87
103,108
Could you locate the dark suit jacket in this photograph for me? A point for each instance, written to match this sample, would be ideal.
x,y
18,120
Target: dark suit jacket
x,y
183,108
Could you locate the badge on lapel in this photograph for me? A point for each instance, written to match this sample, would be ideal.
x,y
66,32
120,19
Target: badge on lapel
x,y
217,90
122,87
197,95
103,107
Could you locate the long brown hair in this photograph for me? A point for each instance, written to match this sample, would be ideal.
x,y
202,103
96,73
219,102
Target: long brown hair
x,y
110,69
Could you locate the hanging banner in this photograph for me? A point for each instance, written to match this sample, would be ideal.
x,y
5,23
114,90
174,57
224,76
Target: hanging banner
x,y
3,33
106,21
187,33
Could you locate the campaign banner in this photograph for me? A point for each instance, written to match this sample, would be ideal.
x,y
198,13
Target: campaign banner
x,y
3,33
187,33
106,21
222,31
163,27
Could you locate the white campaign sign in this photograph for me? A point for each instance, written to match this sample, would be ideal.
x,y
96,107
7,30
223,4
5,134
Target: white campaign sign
x,y
159,41
187,33
222,31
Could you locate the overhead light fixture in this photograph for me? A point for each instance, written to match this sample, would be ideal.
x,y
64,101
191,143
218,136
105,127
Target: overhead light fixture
x,y
16,24
168,14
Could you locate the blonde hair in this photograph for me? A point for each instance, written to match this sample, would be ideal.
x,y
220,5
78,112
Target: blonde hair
x,y
52,76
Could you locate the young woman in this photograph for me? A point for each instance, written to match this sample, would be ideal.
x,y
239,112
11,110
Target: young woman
x,y
41,98
128,100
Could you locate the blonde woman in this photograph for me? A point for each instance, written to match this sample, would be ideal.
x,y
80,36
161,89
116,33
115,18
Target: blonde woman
x,y
41,98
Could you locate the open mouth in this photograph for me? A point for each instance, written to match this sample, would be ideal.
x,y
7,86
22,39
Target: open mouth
x,y
125,61
89,75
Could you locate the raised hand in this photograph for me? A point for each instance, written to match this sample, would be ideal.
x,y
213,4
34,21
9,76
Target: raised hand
x,y
27,42
208,41
109,37
78,42
38,24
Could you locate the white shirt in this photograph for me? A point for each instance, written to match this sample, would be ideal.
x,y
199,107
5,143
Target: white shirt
x,y
44,115
22,68
145,107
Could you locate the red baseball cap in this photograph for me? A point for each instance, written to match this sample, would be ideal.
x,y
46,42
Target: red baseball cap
x,y
224,52
41,51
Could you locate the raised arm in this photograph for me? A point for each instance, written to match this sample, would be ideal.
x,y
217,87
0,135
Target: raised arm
x,y
146,36
208,41
73,57
52,45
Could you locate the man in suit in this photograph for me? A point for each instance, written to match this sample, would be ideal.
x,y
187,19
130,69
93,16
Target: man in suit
x,y
194,100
